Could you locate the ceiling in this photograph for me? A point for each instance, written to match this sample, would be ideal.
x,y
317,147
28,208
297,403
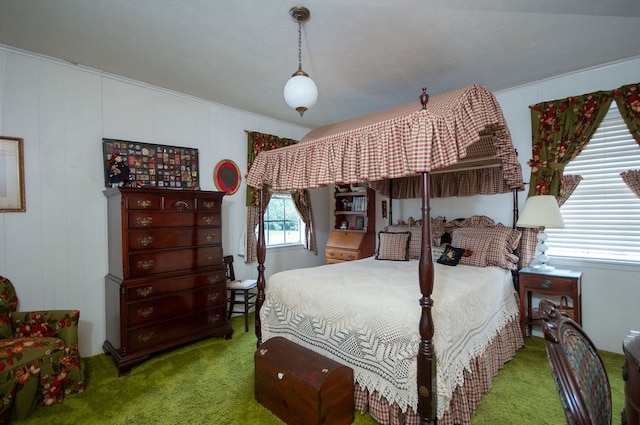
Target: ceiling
x,y
364,55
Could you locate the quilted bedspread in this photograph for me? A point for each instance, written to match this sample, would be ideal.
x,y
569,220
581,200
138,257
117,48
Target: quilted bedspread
x,y
365,314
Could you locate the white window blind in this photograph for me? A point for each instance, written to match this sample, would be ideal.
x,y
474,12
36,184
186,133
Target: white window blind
x,y
602,216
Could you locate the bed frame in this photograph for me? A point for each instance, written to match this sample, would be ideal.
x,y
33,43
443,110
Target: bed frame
x,y
427,394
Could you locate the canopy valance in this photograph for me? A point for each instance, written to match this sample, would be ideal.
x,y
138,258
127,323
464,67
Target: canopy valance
x,y
397,142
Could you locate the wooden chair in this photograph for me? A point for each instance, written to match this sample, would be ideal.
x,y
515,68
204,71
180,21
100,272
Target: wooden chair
x,y
242,289
577,368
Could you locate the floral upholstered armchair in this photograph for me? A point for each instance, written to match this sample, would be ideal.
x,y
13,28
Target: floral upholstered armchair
x,y
39,358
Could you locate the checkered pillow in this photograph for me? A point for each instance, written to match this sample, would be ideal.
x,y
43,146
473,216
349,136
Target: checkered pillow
x,y
478,245
499,244
393,246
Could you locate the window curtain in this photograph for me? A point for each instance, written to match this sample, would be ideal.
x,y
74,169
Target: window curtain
x,y
303,204
628,101
256,143
560,129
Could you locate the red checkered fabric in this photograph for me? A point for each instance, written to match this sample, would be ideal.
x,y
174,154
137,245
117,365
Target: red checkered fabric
x,y
393,246
394,143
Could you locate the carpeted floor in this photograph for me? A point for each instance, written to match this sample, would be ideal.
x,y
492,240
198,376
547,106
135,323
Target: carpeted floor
x,y
211,382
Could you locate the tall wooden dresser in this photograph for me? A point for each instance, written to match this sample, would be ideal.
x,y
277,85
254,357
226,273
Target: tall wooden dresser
x,y
166,284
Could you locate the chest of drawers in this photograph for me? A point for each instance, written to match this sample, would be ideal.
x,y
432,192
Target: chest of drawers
x,y
166,284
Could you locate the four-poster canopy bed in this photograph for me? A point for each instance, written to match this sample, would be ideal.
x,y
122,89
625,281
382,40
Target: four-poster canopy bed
x,y
414,145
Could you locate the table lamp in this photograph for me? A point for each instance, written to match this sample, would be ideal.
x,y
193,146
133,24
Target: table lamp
x,y
541,211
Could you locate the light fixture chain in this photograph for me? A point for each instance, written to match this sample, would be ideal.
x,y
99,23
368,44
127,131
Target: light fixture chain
x,y
299,45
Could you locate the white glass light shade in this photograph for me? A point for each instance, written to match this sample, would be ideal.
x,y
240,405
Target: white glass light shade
x,y
300,93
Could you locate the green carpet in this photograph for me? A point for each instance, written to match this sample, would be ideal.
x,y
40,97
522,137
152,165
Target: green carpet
x,y
211,382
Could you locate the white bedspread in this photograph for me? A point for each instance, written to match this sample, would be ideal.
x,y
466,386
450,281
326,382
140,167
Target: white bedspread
x,y
365,314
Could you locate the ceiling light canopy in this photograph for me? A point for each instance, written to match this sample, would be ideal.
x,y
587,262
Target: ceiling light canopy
x,y
300,92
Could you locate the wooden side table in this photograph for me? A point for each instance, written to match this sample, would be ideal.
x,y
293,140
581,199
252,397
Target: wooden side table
x,y
555,282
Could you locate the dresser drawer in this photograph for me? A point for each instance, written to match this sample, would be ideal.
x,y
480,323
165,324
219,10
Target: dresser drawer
x,y
152,219
341,254
152,288
173,237
175,328
176,304
541,284
143,201
145,264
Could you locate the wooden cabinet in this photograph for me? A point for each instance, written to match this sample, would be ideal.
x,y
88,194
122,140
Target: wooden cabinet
x,y
555,283
354,236
631,376
167,282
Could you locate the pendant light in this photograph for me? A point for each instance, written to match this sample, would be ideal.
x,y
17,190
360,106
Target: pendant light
x,y
300,92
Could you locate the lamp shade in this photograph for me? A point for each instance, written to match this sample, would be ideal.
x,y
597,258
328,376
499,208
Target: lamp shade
x,y
541,211
300,93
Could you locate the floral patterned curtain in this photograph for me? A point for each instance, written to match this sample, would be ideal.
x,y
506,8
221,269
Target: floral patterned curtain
x,y
560,129
628,101
256,143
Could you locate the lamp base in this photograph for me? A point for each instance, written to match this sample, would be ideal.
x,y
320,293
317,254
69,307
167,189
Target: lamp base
x,y
544,267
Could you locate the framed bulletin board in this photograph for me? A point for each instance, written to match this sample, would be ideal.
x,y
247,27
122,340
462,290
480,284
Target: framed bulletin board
x,y
164,166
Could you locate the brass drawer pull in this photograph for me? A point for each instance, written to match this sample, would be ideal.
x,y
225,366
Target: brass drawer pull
x,y
209,257
208,205
144,221
180,205
546,283
213,319
146,337
143,203
208,220
209,237
145,241
331,253
146,265
146,312
213,297
214,279
145,292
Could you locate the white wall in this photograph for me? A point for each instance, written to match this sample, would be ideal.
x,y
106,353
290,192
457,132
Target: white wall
x,y
610,291
55,252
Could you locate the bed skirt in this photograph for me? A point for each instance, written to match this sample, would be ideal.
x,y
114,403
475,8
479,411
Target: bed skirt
x,y
466,398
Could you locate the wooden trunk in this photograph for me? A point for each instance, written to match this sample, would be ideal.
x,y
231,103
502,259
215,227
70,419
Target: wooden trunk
x,y
301,386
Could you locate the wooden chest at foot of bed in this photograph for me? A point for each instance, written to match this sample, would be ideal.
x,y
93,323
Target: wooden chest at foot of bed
x,y
302,387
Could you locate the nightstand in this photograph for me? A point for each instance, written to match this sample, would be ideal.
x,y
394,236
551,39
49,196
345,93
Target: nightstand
x,y
554,282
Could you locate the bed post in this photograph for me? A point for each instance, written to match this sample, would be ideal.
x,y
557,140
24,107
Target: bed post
x,y
261,251
427,394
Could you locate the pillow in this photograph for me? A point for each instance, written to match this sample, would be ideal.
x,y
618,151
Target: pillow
x,y
498,250
415,244
451,256
393,246
471,243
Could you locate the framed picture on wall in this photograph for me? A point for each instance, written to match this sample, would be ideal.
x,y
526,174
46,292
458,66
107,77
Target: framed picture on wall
x,y
11,175
226,176
359,225
147,164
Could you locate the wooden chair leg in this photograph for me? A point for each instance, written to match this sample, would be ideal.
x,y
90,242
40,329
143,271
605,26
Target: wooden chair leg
x,y
246,311
232,299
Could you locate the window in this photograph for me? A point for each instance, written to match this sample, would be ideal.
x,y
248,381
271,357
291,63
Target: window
x,y
282,223
602,216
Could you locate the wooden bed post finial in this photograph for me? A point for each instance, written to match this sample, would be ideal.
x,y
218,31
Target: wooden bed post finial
x,y
424,98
